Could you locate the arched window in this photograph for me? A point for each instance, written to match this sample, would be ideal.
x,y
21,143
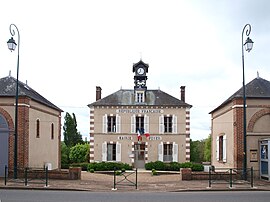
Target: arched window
x,y
37,128
52,131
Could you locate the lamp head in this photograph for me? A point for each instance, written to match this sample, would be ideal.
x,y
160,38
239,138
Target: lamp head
x,y
11,44
248,44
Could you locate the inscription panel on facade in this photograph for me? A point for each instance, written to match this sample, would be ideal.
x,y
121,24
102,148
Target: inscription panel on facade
x,y
140,111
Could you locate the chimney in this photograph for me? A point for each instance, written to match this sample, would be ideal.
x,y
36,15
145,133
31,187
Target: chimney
x,y
183,93
98,93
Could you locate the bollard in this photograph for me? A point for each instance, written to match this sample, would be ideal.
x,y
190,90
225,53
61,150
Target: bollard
x,y
136,178
209,177
251,177
46,176
114,180
25,176
230,178
5,174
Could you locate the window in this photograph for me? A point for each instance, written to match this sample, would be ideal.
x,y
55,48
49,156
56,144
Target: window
x,y
168,124
111,124
52,131
37,129
221,148
167,152
139,96
140,123
111,152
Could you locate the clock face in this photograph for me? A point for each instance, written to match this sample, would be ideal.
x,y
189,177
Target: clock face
x,y
140,71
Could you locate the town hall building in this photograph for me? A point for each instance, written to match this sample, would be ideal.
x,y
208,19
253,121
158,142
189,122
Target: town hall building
x,y
139,125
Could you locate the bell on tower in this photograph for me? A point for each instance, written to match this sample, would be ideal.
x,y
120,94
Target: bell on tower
x,y
140,77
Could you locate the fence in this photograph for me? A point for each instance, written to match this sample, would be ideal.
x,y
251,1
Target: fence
x,y
28,175
230,176
125,178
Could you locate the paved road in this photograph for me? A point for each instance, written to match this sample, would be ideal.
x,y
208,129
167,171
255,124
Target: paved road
x,y
68,196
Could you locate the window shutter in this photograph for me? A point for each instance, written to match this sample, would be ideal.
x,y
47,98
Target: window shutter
x,y
104,151
224,148
133,120
105,123
160,152
118,124
161,124
146,123
174,122
217,150
118,151
175,152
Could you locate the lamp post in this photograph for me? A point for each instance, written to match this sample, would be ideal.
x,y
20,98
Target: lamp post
x,y
248,46
12,46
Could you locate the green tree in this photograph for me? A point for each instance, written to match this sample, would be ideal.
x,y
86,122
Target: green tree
x,y
196,151
64,154
79,153
207,149
71,134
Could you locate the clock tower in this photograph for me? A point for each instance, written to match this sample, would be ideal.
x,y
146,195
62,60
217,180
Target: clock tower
x,y
140,77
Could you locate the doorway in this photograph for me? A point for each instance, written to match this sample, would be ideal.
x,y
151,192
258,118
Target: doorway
x,y
139,155
4,132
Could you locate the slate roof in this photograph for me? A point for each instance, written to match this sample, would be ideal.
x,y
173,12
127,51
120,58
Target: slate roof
x,y
8,89
126,98
258,88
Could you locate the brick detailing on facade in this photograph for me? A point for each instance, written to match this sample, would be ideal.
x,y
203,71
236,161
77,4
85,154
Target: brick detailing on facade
x,y
255,118
238,134
92,149
187,134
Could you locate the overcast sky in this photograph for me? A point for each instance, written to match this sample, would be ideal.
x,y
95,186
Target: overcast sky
x,y
69,47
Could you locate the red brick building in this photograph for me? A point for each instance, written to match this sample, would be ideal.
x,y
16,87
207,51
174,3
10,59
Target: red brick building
x,y
227,126
39,128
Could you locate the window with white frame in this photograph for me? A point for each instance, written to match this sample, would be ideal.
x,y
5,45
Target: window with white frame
x,y
168,152
111,123
111,151
140,123
167,124
139,96
221,148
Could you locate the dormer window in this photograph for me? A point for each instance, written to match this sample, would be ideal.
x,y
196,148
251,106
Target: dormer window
x,y
139,96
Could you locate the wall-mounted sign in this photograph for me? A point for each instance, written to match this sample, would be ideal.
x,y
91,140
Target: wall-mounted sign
x,y
124,138
254,155
155,138
139,111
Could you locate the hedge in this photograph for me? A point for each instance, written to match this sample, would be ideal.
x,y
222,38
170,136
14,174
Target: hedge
x,y
108,166
173,166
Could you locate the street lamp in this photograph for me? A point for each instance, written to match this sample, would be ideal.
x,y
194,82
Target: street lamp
x,y
248,46
12,46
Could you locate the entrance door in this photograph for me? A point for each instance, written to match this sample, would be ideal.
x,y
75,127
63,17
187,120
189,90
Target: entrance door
x,y
3,145
139,155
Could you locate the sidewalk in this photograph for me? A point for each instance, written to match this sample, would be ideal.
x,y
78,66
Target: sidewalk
x,y
97,182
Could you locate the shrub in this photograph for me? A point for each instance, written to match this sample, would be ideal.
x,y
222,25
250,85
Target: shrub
x,y
154,172
91,170
79,153
108,166
157,165
173,166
